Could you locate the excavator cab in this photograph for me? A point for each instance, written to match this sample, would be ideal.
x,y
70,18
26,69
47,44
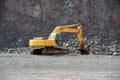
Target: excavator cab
x,y
59,39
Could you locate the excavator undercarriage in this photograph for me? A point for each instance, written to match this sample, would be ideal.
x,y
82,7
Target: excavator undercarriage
x,y
49,51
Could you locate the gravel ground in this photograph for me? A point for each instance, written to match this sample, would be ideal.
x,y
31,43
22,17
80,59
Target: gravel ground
x,y
62,67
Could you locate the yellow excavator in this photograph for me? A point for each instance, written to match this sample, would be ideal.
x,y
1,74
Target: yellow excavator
x,y
53,44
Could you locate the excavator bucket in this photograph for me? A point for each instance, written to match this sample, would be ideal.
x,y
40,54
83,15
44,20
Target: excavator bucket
x,y
85,50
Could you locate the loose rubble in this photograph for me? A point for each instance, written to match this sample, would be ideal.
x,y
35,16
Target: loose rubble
x,y
98,46
105,47
23,50
72,45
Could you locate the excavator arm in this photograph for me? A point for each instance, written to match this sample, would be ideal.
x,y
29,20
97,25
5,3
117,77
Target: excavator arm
x,y
70,29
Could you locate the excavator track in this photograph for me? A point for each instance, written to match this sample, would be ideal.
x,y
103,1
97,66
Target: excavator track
x,y
49,51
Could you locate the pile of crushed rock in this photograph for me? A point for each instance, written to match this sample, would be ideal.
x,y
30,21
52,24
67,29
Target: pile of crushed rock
x,y
23,50
107,46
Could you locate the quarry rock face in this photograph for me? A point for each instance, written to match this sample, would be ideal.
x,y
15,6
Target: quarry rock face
x,y
21,20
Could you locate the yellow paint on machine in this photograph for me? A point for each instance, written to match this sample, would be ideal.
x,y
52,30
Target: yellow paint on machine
x,y
42,43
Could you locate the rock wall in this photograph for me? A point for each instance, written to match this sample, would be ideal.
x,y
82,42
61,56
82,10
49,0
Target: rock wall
x,y
21,20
